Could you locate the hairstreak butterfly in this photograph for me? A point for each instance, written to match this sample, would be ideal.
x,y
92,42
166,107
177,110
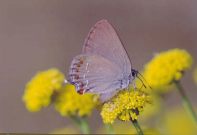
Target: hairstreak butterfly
x,y
103,67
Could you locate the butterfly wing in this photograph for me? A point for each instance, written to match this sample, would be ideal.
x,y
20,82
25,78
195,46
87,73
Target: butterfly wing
x,y
103,40
104,66
95,74
106,96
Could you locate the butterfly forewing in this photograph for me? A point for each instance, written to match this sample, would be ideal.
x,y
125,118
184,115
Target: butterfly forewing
x,y
103,40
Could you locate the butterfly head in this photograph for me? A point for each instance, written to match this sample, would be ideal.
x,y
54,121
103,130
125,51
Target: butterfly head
x,y
134,74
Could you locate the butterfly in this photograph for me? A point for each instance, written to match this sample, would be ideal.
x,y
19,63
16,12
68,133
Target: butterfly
x,y
104,66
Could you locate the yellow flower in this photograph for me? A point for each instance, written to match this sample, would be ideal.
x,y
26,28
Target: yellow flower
x,y
69,103
39,90
167,67
126,105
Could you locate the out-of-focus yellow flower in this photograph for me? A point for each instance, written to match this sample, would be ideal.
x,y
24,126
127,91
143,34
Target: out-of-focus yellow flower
x,y
39,90
195,75
167,67
70,103
125,105
177,122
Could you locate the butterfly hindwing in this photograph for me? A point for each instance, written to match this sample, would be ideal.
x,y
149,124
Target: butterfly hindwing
x,y
106,96
95,74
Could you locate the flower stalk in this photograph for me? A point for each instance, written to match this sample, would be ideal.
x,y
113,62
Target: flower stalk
x,y
137,127
109,129
186,103
82,123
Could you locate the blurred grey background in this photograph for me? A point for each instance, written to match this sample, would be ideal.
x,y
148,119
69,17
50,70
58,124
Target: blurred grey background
x,y
40,34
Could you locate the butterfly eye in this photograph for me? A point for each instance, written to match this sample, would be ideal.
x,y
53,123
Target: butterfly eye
x,y
133,73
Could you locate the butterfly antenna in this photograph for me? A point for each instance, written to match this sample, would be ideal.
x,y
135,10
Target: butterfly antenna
x,y
138,73
141,81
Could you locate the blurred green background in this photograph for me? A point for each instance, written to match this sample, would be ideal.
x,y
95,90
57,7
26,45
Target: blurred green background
x,y
37,35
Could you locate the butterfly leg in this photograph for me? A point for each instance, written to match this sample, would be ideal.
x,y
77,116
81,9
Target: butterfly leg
x,y
134,85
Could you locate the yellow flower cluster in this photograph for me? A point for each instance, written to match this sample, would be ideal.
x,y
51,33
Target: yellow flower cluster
x,y
167,67
69,103
125,105
39,90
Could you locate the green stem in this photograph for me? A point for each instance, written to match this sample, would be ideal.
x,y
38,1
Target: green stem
x,y
137,127
109,129
82,123
186,103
